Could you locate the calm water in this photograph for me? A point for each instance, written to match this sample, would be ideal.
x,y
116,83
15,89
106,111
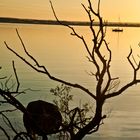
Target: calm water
x,y
65,57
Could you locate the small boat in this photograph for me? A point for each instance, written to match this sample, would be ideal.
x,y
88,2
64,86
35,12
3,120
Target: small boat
x,y
117,30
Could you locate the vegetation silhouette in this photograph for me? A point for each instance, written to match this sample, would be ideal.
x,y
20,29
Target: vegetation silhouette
x,y
105,83
74,118
44,118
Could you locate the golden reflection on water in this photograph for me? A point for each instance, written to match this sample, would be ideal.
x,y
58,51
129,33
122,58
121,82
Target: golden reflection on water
x,y
65,57
63,54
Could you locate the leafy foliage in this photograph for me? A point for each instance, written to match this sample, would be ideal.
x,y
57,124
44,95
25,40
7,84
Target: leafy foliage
x,y
73,118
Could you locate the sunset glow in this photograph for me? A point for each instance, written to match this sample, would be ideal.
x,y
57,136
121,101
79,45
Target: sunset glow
x,y
127,10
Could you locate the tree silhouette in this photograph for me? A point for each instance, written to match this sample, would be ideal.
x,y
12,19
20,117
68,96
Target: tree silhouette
x,y
43,119
105,83
74,118
9,92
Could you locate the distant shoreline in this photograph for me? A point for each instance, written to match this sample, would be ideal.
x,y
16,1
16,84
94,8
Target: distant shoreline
x,y
72,23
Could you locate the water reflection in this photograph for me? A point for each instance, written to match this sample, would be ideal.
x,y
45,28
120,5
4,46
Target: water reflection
x,y
65,57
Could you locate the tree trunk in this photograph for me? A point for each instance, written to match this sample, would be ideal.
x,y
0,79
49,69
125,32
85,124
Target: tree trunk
x,y
95,122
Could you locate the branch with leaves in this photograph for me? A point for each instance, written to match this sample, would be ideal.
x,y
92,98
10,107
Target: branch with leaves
x,y
74,118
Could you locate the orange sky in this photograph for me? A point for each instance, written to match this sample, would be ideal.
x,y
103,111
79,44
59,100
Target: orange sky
x,y
127,10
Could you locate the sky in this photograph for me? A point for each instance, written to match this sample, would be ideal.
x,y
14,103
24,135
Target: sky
x,y
111,10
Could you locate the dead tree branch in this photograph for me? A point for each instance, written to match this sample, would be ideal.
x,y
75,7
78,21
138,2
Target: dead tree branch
x,y
42,69
5,132
8,123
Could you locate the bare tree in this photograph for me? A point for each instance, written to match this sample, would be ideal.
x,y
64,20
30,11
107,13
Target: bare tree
x,y
9,92
105,83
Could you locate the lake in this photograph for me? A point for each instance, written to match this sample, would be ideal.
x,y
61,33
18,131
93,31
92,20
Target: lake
x,y
65,57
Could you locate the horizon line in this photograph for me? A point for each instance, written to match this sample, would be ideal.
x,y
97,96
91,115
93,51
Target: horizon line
x,y
72,23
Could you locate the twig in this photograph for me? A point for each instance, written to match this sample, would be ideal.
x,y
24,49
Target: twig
x,y
5,132
18,83
43,70
8,123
